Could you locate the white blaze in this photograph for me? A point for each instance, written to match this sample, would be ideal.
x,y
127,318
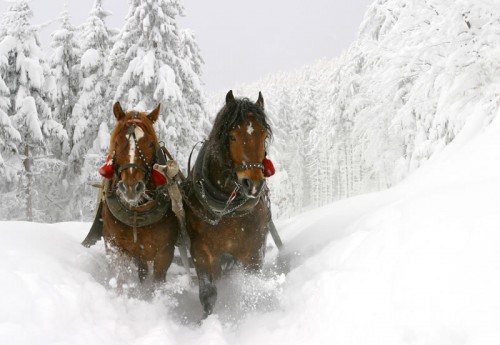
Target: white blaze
x,y
250,129
139,133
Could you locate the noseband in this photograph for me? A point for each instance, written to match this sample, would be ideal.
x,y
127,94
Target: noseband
x,y
248,166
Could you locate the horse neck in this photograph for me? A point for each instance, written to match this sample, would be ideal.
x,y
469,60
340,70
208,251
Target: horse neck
x,y
217,173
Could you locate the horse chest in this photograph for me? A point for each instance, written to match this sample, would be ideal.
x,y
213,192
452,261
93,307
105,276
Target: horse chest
x,y
150,239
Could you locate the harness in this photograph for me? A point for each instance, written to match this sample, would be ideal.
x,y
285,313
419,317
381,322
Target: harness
x,y
217,203
146,214
153,210
167,195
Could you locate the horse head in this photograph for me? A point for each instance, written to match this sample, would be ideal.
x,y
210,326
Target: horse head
x,y
246,142
133,150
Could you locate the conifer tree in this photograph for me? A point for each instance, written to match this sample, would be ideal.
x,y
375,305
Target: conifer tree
x,y
149,66
9,137
64,64
92,107
90,115
27,77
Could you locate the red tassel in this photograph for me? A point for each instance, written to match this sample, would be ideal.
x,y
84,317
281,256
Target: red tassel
x,y
268,168
158,177
107,170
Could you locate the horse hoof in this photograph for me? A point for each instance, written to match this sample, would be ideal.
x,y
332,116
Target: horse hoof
x,y
208,296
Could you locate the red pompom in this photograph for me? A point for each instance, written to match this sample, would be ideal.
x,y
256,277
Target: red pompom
x,y
268,168
158,177
107,170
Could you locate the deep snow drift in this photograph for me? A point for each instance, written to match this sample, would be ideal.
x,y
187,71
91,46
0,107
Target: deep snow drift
x,y
417,264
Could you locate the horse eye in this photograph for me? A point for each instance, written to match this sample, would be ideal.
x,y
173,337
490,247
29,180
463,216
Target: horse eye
x,y
232,138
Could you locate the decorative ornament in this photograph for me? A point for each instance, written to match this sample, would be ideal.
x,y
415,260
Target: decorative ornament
x,y
107,171
268,167
158,177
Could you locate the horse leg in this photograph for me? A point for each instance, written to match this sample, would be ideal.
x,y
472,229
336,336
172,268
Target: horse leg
x,y
208,271
161,263
252,263
142,268
207,293
121,263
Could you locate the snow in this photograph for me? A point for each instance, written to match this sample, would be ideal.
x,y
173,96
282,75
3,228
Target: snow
x,y
29,118
416,264
90,59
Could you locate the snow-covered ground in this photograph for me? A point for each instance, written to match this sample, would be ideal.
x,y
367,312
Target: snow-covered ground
x,y
417,264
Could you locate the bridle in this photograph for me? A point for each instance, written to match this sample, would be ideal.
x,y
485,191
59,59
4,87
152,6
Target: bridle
x,y
248,166
145,167
111,169
216,202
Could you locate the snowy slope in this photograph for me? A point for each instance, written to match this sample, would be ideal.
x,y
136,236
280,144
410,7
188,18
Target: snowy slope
x,y
417,264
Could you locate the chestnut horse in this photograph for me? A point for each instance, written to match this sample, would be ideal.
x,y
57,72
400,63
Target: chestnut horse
x,y
228,214
138,221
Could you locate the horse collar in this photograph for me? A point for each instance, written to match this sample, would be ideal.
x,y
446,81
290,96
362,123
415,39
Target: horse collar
x,y
144,215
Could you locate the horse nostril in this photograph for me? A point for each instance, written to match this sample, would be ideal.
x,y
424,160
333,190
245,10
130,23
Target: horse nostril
x,y
122,186
139,186
247,183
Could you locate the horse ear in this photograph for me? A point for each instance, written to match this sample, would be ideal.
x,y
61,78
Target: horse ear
x,y
153,116
260,101
229,97
118,111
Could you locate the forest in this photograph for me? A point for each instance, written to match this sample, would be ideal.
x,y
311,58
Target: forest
x,y
343,126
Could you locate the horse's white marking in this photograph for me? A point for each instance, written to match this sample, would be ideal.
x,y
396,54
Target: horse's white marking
x,y
250,129
139,133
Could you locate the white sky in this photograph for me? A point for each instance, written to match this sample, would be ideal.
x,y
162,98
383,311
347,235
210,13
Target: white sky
x,y
241,41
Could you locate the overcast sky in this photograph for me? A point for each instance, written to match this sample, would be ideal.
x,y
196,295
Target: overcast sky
x,y
241,41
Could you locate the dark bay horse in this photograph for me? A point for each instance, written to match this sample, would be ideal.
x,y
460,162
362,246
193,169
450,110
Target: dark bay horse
x,y
138,221
227,209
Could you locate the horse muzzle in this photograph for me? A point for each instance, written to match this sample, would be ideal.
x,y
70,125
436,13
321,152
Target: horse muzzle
x,y
131,193
251,188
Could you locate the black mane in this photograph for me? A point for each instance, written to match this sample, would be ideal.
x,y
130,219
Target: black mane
x,y
227,119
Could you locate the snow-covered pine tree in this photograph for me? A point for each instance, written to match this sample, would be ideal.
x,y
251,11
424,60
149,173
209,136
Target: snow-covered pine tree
x,y
398,95
148,67
9,138
92,107
191,63
27,76
91,112
65,66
